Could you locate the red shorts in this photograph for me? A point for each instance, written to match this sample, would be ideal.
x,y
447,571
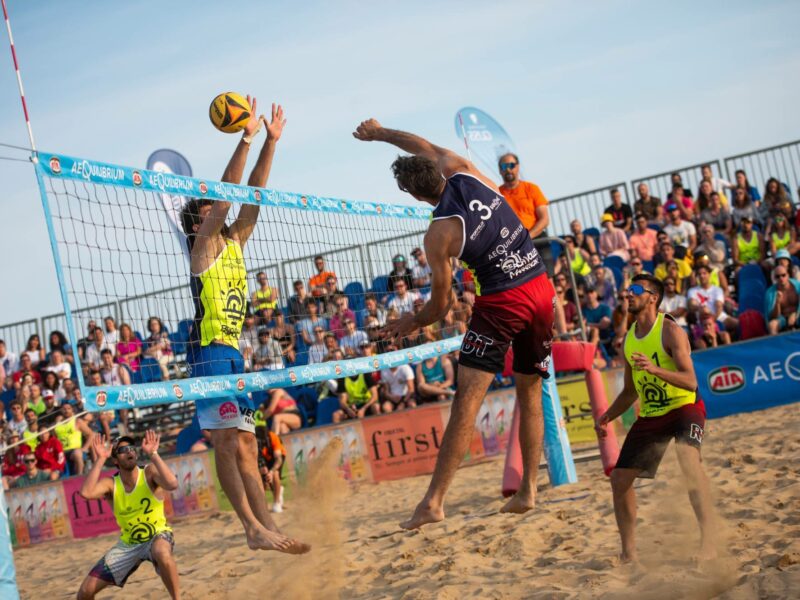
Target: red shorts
x,y
649,437
523,316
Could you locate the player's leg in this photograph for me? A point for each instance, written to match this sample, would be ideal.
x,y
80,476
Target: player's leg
x,y
277,492
472,387
161,554
247,463
90,587
625,510
531,436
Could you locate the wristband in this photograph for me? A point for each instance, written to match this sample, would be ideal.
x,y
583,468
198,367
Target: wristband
x,y
249,138
152,454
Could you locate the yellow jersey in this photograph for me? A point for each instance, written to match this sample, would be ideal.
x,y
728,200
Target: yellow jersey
x,y
656,396
139,514
264,299
69,435
220,298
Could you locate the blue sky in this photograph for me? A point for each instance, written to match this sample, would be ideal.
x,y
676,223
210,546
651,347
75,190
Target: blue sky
x,y
591,92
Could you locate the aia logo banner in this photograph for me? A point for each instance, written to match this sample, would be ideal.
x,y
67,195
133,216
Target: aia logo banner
x,y
726,380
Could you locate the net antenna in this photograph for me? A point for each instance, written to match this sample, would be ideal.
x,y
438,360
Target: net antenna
x,y
19,77
463,133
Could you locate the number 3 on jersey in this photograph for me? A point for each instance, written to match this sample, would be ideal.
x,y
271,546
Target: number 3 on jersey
x,y
477,205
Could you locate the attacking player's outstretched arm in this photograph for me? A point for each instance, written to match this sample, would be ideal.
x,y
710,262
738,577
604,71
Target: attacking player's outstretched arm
x,y
676,344
447,161
248,214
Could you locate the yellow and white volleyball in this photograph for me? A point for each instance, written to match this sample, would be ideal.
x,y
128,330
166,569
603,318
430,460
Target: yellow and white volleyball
x,y
229,112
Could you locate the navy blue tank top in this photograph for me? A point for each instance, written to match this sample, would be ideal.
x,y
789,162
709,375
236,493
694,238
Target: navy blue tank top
x,y
496,248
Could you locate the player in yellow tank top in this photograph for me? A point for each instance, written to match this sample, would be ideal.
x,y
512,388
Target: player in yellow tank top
x,y
660,374
137,498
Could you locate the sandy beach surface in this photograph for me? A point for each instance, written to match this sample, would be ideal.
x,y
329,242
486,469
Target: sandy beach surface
x,y
565,548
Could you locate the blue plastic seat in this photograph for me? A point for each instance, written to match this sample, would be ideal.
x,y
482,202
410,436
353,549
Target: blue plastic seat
x,y
149,370
177,342
355,294
380,285
325,409
618,277
614,262
555,250
648,266
654,226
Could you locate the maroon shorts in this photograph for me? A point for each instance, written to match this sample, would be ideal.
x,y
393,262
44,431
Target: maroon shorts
x,y
523,316
649,437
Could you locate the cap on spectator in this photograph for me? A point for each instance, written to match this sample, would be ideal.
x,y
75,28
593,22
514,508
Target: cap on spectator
x,y
416,252
606,218
671,207
746,218
48,394
263,331
124,438
783,253
399,258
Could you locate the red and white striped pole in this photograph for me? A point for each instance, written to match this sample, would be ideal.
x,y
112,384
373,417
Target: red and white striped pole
x,y
19,78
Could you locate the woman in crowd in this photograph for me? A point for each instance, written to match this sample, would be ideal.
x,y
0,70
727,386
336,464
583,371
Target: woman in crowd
x,y
58,341
703,201
34,349
52,383
129,348
717,215
774,196
158,347
742,183
583,242
744,207
285,336
283,410
782,235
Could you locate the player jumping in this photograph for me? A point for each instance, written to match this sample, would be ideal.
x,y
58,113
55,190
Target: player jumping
x,y
659,371
473,222
219,290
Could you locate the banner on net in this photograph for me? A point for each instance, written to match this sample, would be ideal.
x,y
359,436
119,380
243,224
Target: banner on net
x,y
161,392
58,166
485,138
172,163
749,376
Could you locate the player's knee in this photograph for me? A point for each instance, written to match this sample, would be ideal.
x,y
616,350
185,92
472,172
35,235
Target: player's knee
x,y
621,481
226,440
86,591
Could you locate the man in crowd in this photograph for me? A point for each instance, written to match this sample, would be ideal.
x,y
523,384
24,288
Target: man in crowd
x,y
358,396
648,205
8,360
673,303
297,301
352,339
643,240
137,498
271,458
26,368
342,313
268,355
606,288
668,254
681,233
748,246
316,283
310,321
400,272
33,475
782,301
420,272
51,408
329,294
59,365
373,309
75,437
598,319
713,248
317,349
613,241
403,300
397,387
621,214
681,199
50,455
94,358
17,422
711,297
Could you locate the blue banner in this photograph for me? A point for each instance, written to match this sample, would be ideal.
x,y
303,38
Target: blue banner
x,y
58,166
8,576
172,162
485,138
195,388
750,375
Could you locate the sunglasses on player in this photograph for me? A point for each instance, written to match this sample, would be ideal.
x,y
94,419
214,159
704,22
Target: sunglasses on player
x,y
507,166
638,290
126,450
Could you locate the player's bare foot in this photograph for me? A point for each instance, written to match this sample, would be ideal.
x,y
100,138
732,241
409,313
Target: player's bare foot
x,y
628,558
707,552
264,539
423,515
519,503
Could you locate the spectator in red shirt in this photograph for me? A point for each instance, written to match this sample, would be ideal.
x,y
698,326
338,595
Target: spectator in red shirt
x,y
644,239
50,455
26,368
13,460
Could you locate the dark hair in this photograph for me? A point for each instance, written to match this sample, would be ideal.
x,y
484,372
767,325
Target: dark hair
x,y
613,191
703,267
503,155
706,166
653,281
675,186
190,216
34,336
62,340
157,320
370,296
418,176
318,257
106,351
296,282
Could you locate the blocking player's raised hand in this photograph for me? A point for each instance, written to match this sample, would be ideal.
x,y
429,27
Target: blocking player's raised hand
x,y
101,447
276,123
151,442
368,131
254,122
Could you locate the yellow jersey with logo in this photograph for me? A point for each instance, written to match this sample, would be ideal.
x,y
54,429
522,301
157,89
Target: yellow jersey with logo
x,y
220,298
656,396
69,435
748,251
139,514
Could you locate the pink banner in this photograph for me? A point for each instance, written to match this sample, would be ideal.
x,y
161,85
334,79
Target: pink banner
x,y
89,518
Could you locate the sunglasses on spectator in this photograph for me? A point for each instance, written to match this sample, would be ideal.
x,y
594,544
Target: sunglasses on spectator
x,y
507,166
638,290
781,275
636,264
319,331
30,461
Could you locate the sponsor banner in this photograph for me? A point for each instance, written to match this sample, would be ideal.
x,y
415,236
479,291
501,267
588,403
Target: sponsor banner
x,y
575,401
89,518
67,167
38,514
161,392
303,447
196,491
172,162
750,375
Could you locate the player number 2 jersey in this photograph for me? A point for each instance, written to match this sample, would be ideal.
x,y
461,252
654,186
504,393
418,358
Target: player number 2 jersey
x,y
140,515
220,298
497,248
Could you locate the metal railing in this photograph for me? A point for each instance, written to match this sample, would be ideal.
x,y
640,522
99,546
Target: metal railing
x,y
781,162
660,184
587,207
16,335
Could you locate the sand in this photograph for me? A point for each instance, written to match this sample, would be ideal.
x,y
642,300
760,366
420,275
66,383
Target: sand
x,y
565,548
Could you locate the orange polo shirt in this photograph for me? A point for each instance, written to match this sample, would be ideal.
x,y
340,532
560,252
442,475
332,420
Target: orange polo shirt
x,y
524,199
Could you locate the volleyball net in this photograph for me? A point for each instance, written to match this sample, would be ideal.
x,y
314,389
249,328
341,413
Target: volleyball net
x,y
116,254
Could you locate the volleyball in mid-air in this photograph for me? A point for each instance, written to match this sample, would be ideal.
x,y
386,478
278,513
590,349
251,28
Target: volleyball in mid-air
x,y
229,112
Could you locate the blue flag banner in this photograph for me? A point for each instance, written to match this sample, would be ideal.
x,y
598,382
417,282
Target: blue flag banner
x,y
485,138
750,375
